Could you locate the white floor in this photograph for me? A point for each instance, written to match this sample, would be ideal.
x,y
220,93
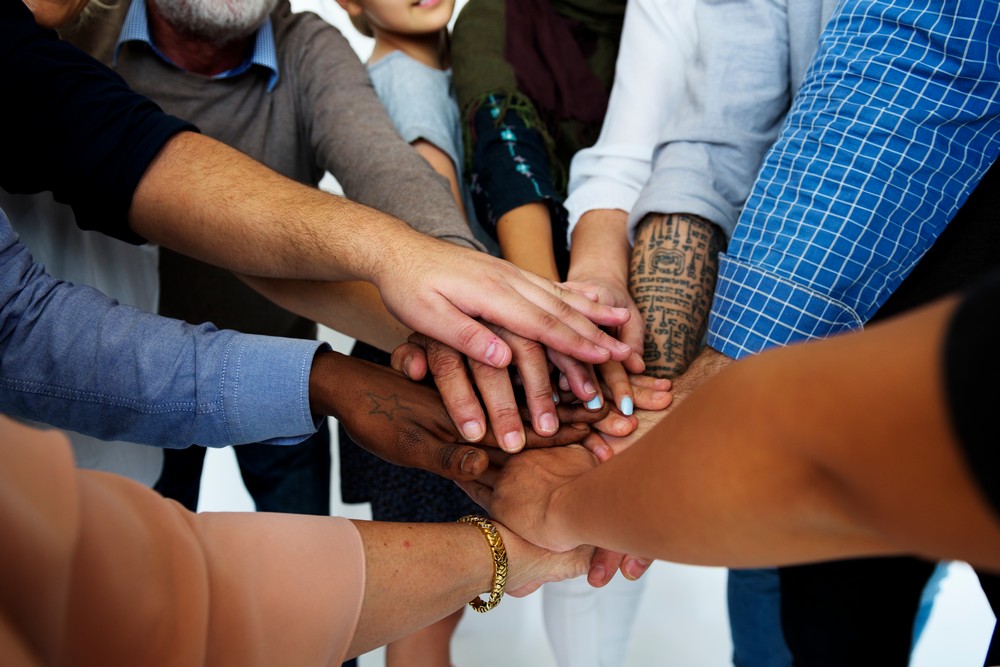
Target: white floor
x,y
682,620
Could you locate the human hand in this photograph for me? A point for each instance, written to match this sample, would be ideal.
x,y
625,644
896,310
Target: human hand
x,y
651,394
436,288
604,445
520,492
404,422
459,382
529,566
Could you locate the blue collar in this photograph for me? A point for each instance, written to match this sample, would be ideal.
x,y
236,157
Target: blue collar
x,y
264,54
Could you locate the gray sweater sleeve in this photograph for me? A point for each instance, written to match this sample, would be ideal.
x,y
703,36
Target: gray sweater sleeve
x,y
357,142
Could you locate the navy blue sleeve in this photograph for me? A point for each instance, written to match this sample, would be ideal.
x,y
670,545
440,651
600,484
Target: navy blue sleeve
x,y
73,126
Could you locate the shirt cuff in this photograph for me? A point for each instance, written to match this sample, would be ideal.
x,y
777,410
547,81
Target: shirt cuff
x,y
755,309
268,397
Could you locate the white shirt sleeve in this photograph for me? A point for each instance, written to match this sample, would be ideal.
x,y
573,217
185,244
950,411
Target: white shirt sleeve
x,y
656,46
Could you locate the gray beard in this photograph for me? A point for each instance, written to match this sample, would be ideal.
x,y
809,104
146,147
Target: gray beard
x,y
218,21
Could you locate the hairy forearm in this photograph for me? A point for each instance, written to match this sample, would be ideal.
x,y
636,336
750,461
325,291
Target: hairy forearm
x,y
353,308
204,199
525,237
674,266
832,449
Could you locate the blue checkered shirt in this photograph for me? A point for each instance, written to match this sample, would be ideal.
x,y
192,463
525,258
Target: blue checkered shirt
x,y
897,120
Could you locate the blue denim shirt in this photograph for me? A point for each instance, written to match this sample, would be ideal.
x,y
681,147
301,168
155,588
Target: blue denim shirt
x,y
74,358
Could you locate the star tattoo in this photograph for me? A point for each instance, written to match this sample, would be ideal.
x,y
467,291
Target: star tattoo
x,y
386,405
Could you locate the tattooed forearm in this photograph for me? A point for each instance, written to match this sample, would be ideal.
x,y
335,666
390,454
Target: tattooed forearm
x,y
674,265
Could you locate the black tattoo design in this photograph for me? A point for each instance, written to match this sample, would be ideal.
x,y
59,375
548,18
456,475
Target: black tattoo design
x,y
672,279
386,405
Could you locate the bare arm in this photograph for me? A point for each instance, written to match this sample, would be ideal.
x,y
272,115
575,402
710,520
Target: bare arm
x,y
442,164
247,588
353,308
213,203
823,450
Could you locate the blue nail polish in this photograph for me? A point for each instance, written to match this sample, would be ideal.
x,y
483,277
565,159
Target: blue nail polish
x,y
594,403
555,398
626,406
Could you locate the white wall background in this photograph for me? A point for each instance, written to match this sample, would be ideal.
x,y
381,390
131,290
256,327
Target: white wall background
x,y
682,620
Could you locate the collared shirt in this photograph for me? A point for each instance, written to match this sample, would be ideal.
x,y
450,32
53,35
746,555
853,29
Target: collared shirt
x,y
264,53
73,357
896,122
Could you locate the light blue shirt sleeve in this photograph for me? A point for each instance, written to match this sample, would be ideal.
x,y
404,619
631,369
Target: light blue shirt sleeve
x,y
738,91
420,103
897,120
74,358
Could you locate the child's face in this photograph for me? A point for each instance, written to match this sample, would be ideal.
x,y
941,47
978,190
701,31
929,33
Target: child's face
x,y
406,17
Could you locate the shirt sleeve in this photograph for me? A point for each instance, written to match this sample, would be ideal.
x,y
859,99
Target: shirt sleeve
x,y
357,143
76,359
419,102
73,126
710,149
656,48
895,124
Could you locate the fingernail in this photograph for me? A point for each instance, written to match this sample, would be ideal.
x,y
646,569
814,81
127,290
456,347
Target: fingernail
x,y
555,398
594,403
602,452
513,441
626,406
563,382
472,431
597,573
496,355
468,461
589,387
548,423
634,568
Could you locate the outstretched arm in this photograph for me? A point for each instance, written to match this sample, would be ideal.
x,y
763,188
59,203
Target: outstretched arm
x,y
831,449
247,588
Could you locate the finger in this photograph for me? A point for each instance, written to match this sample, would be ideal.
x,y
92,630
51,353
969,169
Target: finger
x,y
580,379
451,376
617,381
480,494
410,360
563,321
596,445
633,567
616,425
567,434
632,334
536,382
603,565
650,393
498,395
578,413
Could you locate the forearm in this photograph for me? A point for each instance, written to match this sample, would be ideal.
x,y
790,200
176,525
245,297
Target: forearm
x,y
237,214
120,373
353,308
761,467
600,246
416,574
673,270
525,236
